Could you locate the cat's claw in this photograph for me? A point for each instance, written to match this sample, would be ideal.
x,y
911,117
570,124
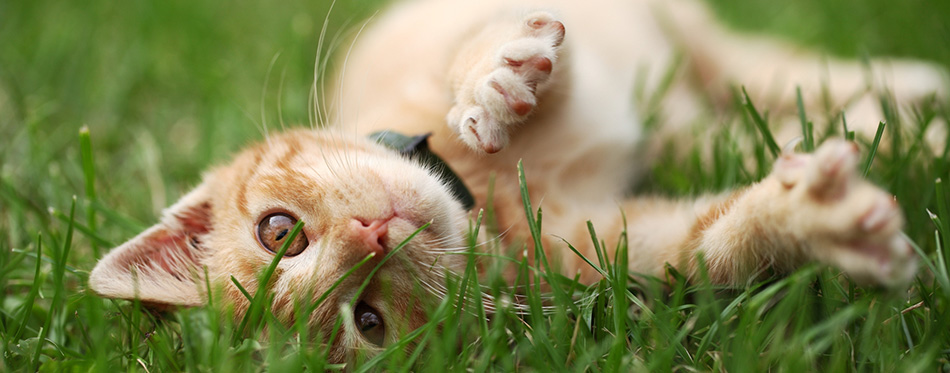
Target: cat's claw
x,y
506,94
845,220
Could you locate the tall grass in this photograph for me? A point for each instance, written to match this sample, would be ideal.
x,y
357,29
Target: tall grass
x,y
137,74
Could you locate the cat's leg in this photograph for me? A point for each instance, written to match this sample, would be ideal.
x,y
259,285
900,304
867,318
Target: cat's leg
x,y
497,76
813,207
771,70
772,73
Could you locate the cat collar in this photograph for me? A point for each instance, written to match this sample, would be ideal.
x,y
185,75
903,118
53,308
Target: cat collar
x,y
417,148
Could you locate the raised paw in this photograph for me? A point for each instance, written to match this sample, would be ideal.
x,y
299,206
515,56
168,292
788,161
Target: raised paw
x,y
841,218
502,92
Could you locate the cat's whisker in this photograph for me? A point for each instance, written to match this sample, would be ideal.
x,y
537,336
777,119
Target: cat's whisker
x,y
326,162
319,70
334,154
448,249
257,125
335,43
455,240
435,288
346,59
270,68
340,112
280,92
439,247
312,103
345,152
489,302
330,156
495,238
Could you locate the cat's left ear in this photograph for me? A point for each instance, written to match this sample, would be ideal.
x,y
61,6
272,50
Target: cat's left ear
x,y
161,265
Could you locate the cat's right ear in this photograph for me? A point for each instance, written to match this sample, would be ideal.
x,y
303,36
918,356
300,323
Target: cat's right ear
x,y
163,264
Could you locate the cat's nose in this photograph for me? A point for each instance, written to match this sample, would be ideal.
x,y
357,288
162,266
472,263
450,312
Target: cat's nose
x,y
372,233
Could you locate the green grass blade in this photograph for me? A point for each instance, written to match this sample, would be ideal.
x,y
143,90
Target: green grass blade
x,y
874,145
129,224
534,225
761,124
359,291
471,275
598,248
89,174
848,135
257,306
59,293
386,258
943,226
27,306
584,258
808,143
241,288
326,294
86,231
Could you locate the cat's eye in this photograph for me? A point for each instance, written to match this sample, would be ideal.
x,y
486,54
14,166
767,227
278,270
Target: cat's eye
x,y
275,228
370,323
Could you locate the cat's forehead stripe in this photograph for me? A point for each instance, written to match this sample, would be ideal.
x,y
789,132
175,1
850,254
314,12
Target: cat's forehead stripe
x,y
248,174
290,164
293,148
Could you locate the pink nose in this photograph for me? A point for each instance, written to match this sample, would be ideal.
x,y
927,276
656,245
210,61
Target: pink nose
x,y
371,233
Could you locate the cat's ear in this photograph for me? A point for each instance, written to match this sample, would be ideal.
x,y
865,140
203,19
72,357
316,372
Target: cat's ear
x,y
163,264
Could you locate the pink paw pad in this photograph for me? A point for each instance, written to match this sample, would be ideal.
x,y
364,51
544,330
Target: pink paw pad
x,y
833,170
517,106
880,216
522,69
534,69
543,24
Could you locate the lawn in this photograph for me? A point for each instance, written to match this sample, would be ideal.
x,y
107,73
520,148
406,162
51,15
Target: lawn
x,y
167,89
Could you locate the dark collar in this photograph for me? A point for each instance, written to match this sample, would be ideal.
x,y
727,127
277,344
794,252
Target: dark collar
x,y
417,148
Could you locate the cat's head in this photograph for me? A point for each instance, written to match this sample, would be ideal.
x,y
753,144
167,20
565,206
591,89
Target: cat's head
x,y
356,198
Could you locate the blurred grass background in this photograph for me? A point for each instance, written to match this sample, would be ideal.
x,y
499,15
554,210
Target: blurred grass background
x,y
166,87
169,88
850,28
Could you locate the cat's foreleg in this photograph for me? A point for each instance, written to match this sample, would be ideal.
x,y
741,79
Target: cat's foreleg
x,y
811,208
497,76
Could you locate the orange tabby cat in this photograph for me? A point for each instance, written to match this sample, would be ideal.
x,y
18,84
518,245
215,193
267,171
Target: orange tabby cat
x,y
494,82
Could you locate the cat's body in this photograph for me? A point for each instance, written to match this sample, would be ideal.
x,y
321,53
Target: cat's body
x,y
581,141
552,85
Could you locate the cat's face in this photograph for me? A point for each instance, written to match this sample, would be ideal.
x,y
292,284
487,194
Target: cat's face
x,y
355,198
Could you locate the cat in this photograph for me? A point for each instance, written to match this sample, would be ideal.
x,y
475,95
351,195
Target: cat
x,y
494,82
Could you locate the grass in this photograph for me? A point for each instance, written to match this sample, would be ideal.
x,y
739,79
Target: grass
x,y
91,93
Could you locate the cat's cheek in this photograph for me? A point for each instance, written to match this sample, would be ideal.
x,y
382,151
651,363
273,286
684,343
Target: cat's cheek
x,y
237,256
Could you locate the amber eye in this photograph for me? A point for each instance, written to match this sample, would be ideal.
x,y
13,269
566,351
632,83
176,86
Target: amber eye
x,y
370,323
275,228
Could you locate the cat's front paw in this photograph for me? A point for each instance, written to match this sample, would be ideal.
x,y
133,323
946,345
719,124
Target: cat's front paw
x,y
843,219
489,103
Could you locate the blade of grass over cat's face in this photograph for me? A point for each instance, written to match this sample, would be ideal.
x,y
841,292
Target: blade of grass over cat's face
x,y
258,304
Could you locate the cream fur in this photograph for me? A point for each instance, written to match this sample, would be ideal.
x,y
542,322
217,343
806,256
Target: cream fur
x,y
551,83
